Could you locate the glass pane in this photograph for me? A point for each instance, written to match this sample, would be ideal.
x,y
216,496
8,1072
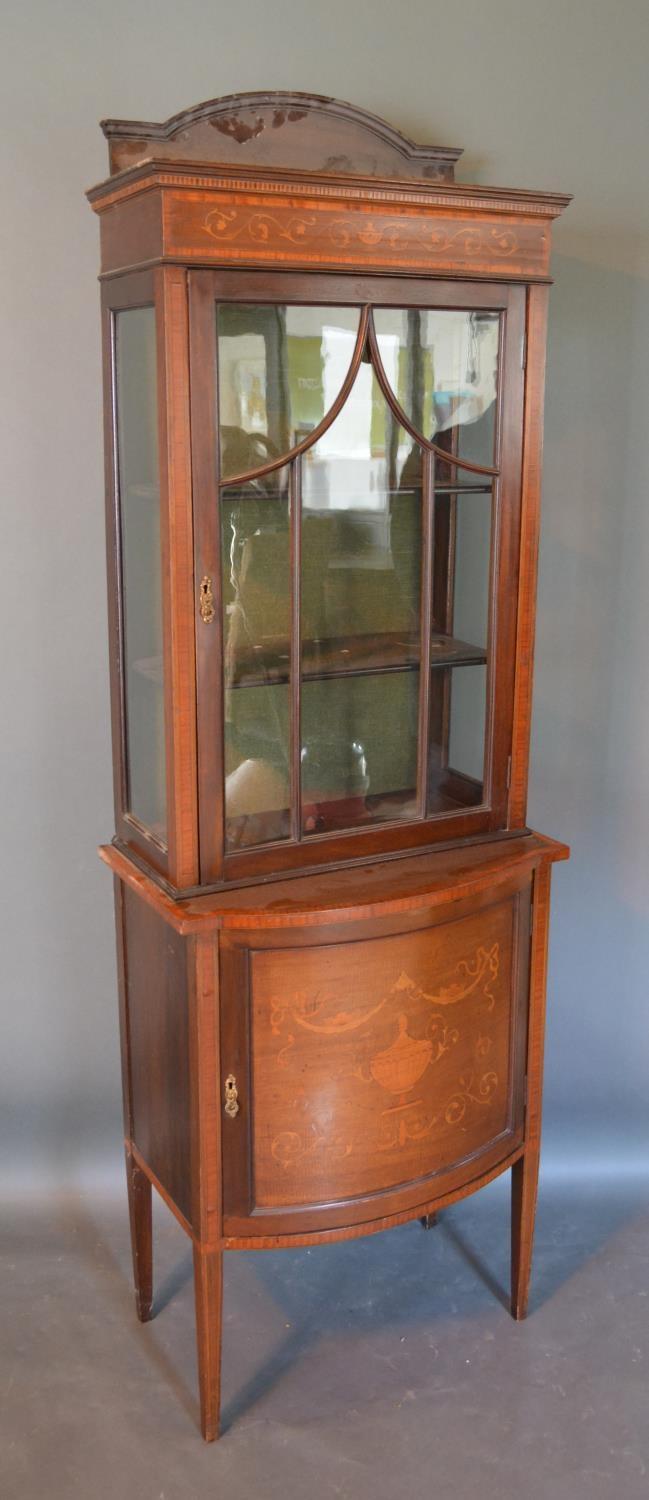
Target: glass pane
x,y
472,515
442,366
359,750
280,371
361,539
467,722
462,563
360,609
457,737
137,443
257,611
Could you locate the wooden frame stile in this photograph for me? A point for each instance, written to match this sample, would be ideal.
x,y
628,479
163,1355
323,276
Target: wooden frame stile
x,y
295,524
207,565
178,573
532,426
506,533
206,1173
525,1174
442,587
427,547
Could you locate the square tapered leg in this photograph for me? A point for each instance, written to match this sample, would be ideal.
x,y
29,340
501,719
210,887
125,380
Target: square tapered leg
x,y
208,1292
139,1206
525,1176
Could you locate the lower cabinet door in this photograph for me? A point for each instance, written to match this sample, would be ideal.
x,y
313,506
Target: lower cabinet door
x,y
373,1067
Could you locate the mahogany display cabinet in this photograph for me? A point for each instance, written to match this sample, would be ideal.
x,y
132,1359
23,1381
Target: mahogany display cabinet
x,y
324,364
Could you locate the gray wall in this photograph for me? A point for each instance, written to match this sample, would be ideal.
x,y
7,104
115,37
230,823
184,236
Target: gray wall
x,y
544,96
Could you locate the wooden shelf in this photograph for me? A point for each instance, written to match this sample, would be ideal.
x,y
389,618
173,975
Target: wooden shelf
x,y
448,488
351,656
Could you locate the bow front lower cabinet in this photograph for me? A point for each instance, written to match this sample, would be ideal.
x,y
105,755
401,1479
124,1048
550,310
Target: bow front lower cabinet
x,y
324,365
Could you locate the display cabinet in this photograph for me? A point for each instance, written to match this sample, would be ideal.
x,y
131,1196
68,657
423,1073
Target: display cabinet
x,y
324,370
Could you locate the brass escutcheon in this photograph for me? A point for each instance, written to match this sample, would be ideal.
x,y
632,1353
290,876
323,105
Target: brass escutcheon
x,y
231,1096
207,600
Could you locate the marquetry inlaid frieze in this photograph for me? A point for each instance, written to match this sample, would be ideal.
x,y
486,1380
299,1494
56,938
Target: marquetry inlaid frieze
x,y
224,218
339,232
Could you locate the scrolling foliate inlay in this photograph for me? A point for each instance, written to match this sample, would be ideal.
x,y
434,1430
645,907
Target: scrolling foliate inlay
x,y
407,1121
277,228
229,224
289,1147
316,1012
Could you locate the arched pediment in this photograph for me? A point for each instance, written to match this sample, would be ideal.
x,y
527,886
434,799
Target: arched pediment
x,y
280,129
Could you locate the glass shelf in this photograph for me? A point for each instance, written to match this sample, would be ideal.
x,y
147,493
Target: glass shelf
x,y
444,487
272,486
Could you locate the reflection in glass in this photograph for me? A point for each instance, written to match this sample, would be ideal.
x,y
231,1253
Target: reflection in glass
x,y
256,626
467,723
139,501
359,750
360,611
442,366
280,371
358,494
472,523
458,660
361,538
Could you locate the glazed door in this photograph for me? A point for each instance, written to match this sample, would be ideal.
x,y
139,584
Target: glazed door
x,y
357,451
379,1067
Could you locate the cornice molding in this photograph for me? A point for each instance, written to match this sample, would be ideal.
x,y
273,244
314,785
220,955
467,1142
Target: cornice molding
x,y
196,177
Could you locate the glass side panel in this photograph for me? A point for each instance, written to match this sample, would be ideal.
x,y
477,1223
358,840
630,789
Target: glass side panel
x,y
442,365
360,616
256,633
457,737
280,370
139,497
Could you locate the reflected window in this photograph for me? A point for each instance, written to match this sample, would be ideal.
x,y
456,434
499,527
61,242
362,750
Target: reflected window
x,y
361,622
280,370
442,365
256,633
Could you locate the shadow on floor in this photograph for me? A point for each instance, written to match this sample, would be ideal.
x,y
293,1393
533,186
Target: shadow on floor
x,y
279,1305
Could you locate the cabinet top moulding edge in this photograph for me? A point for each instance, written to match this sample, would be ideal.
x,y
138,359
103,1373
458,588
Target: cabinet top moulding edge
x,y
413,883
154,172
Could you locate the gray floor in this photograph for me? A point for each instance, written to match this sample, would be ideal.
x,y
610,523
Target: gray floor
x,y
376,1368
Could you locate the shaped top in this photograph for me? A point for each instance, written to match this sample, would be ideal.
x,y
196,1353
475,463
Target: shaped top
x,y
280,129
